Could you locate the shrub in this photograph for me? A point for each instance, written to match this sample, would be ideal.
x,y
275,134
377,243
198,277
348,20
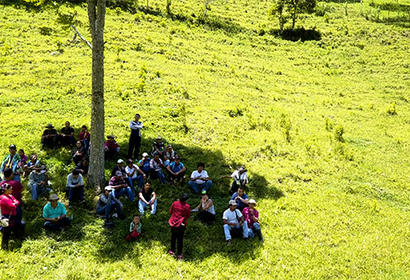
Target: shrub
x,y
45,30
391,110
339,130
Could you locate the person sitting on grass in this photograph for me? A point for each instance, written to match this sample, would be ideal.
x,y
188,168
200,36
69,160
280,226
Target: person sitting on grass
x,y
251,216
82,166
158,147
75,187
8,206
240,178
17,191
135,175
169,153
79,153
135,229
200,180
156,166
207,214
176,170
111,147
11,161
233,220
55,215
147,198
23,160
119,167
144,164
107,204
50,137
84,137
241,198
31,165
38,182
180,213
120,187
67,135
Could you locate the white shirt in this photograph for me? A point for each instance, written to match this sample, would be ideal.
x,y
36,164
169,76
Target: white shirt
x,y
136,126
230,216
203,174
130,170
238,178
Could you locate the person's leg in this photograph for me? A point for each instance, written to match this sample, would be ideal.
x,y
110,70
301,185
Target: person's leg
x,y
117,193
245,230
234,188
71,194
34,195
81,193
17,177
51,226
194,186
257,230
63,222
207,185
131,145
180,240
130,193
5,237
154,207
174,231
140,181
137,147
102,210
227,232
131,183
161,177
118,208
141,206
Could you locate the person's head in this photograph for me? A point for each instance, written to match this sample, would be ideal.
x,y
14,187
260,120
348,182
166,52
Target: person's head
x,y
177,160
67,124
137,117
200,166
241,191
83,128
147,185
204,195
120,163
242,169
252,203
8,173
53,199
145,156
156,156
33,158
76,173
232,205
79,144
21,152
84,162
169,148
184,197
6,189
12,149
49,126
118,174
111,138
129,163
159,139
136,219
107,190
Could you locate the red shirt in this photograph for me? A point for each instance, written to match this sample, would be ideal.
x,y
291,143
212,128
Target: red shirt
x,y
111,145
17,189
8,205
83,135
180,213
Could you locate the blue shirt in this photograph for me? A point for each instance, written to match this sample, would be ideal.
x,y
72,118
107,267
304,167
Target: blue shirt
x,y
176,168
145,167
51,213
241,205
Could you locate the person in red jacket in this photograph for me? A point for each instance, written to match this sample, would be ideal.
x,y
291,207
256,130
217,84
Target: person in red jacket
x,y
17,191
180,212
8,206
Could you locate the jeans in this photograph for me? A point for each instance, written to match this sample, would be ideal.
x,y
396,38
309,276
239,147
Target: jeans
x,y
107,209
60,224
228,228
132,182
177,235
36,190
197,188
255,231
159,174
142,205
75,192
124,191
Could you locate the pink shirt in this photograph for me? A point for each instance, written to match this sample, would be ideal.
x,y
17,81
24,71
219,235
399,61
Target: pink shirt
x,y
180,213
248,216
8,205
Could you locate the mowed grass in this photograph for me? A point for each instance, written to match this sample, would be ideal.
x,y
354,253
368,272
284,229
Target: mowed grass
x,y
332,205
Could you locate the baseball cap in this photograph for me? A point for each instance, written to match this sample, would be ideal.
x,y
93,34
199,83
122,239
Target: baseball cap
x,y
53,196
118,173
232,202
252,201
120,161
144,154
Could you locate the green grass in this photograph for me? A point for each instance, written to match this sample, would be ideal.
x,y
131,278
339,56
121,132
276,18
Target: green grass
x,y
332,204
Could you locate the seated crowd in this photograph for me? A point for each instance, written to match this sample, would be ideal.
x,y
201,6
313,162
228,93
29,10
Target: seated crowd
x,y
129,179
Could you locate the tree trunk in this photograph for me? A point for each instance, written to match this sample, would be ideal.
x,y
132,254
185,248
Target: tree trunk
x,y
206,7
168,7
147,5
96,15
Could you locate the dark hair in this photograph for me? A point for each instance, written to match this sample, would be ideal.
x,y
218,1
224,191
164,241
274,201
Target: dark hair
x,y
147,182
8,172
155,154
137,115
184,197
129,161
84,127
201,164
4,187
12,146
136,215
21,150
76,172
242,187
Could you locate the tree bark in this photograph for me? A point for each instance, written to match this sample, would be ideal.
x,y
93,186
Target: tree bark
x,y
96,15
168,7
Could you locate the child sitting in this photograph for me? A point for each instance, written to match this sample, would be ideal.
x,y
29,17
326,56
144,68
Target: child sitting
x,y
135,228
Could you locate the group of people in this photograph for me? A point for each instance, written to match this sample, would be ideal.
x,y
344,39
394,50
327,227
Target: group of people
x,y
131,179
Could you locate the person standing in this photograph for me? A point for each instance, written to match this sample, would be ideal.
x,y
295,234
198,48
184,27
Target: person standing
x,y
180,212
134,143
17,191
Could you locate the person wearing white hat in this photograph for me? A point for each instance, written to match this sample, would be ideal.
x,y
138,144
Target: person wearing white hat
x,y
54,214
144,163
251,216
120,167
158,147
233,221
107,204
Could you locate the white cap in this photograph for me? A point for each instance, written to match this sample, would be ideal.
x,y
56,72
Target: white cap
x,y
108,188
144,155
232,202
252,201
120,161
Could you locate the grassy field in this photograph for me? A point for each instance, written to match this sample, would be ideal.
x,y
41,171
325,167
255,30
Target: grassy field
x,y
323,127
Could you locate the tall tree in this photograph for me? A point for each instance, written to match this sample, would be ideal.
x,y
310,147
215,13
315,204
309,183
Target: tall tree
x,y
290,9
96,16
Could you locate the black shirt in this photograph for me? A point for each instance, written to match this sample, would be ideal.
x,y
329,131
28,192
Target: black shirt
x,y
116,168
147,194
49,132
67,130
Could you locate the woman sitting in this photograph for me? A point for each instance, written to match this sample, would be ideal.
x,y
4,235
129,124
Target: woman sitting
x,y
207,214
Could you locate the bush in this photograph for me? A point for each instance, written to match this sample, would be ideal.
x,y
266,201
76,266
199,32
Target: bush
x,y
339,130
391,110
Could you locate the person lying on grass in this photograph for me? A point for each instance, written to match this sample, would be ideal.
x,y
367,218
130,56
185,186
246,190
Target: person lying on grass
x,y
107,204
176,170
234,221
135,228
120,187
206,210
54,214
147,198
251,216
199,179
241,198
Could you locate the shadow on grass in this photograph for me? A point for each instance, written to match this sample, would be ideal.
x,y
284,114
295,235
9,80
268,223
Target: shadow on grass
x,y
297,34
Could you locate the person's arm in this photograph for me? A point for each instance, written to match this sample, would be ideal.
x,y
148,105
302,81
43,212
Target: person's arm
x,y
81,182
142,198
154,196
104,199
209,204
132,227
194,178
69,182
45,216
244,200
183,169
170,171
139,170
199,206
151,164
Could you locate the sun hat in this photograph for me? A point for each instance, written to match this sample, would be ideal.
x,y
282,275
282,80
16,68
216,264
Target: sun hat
x,y
53,196
144,154
120,161
203,192
252,201
159,138
232,202
12,146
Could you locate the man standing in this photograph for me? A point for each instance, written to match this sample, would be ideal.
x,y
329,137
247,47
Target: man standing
x,y
135,137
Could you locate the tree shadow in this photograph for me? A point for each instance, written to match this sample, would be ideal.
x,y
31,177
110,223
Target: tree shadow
x,y
201,241
297,34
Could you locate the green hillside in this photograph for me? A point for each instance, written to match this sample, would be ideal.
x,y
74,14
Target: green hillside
x,y
322,125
